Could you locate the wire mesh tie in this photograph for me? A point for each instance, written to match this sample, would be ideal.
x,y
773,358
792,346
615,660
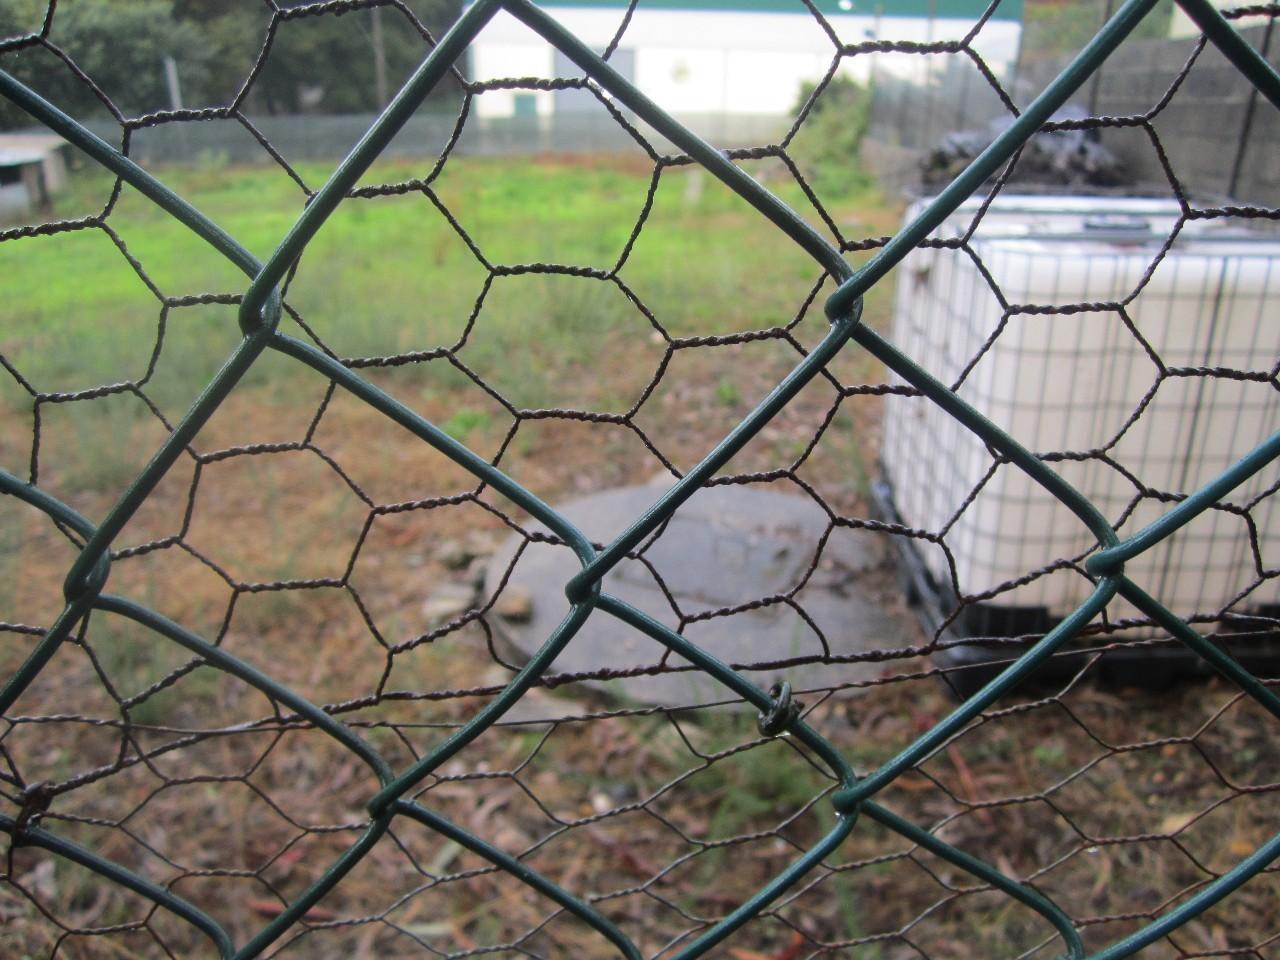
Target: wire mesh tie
x,y
783,712
89,584
35,800
260,317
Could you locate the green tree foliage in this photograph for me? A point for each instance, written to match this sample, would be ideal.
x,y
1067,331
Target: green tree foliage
x,y
322,64
327,64
121,44
827,149
232,34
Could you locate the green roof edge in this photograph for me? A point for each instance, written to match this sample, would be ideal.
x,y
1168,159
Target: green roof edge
x,y
942,9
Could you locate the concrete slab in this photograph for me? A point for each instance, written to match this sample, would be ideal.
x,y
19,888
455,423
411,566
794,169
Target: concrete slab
x,y
727,547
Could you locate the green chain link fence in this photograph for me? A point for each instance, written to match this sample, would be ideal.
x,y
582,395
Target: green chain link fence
x,y
43,812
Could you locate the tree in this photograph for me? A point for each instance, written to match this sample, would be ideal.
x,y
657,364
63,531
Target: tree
x,y
120,44
319,63
326,64
323,64
828,144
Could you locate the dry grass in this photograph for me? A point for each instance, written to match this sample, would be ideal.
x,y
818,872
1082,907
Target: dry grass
x,y
1114,802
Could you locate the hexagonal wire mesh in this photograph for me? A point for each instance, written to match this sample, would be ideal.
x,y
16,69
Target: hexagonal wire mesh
x,y
281,762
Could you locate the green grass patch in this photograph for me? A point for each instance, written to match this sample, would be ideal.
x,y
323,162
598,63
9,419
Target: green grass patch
x,y
391,275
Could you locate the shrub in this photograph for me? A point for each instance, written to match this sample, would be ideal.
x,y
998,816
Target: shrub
x,y
827,148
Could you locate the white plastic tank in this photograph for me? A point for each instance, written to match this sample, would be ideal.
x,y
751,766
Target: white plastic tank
x,y
1080,387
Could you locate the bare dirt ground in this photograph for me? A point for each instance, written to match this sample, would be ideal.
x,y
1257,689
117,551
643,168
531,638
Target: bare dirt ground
x,y
328,548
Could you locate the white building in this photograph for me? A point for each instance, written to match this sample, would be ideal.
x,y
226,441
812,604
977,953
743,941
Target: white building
x,y
727,57
1180,25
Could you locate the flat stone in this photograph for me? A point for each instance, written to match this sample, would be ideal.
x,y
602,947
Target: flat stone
x,y
728,547
447,602
455,554
515,603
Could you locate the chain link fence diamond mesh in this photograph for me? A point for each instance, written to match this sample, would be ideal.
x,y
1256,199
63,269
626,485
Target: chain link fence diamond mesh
x,y
231,728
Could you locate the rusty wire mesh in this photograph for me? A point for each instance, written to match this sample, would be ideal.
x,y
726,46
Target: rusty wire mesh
x,y
168,782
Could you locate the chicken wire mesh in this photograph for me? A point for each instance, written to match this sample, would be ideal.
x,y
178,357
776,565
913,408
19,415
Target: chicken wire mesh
x,y
222,752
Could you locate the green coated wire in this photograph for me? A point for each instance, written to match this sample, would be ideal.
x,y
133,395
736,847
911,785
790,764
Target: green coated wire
x,y
313,894
1111,560
1245,59
87,575
344,177
259,315
422,428
38,837
711,159
737,438
44,650
1195,905
1214,655
522,871
220,658
845,775
1000,151
920,748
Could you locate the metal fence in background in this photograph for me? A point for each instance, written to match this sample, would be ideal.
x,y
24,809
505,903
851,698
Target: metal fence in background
x,y
910,118
1236,158
311,138
395,776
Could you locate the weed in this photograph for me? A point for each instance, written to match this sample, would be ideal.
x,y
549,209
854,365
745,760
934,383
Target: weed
x,y
1048,753
727,392
133,663
755,781
852,912
102,456
466,420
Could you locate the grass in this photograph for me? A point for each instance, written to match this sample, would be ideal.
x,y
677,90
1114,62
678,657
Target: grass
x,y
370,279
668,817
369,285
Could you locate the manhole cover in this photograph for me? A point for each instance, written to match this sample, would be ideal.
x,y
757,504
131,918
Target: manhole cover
x,y
727,547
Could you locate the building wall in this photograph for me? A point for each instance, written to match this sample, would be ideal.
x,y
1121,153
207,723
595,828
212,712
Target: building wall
x,y
55,169
30,183
14,201
707,61
1220,136
510,58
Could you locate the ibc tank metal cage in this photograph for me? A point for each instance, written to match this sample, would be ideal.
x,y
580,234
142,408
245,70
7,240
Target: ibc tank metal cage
x,y
1079,323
